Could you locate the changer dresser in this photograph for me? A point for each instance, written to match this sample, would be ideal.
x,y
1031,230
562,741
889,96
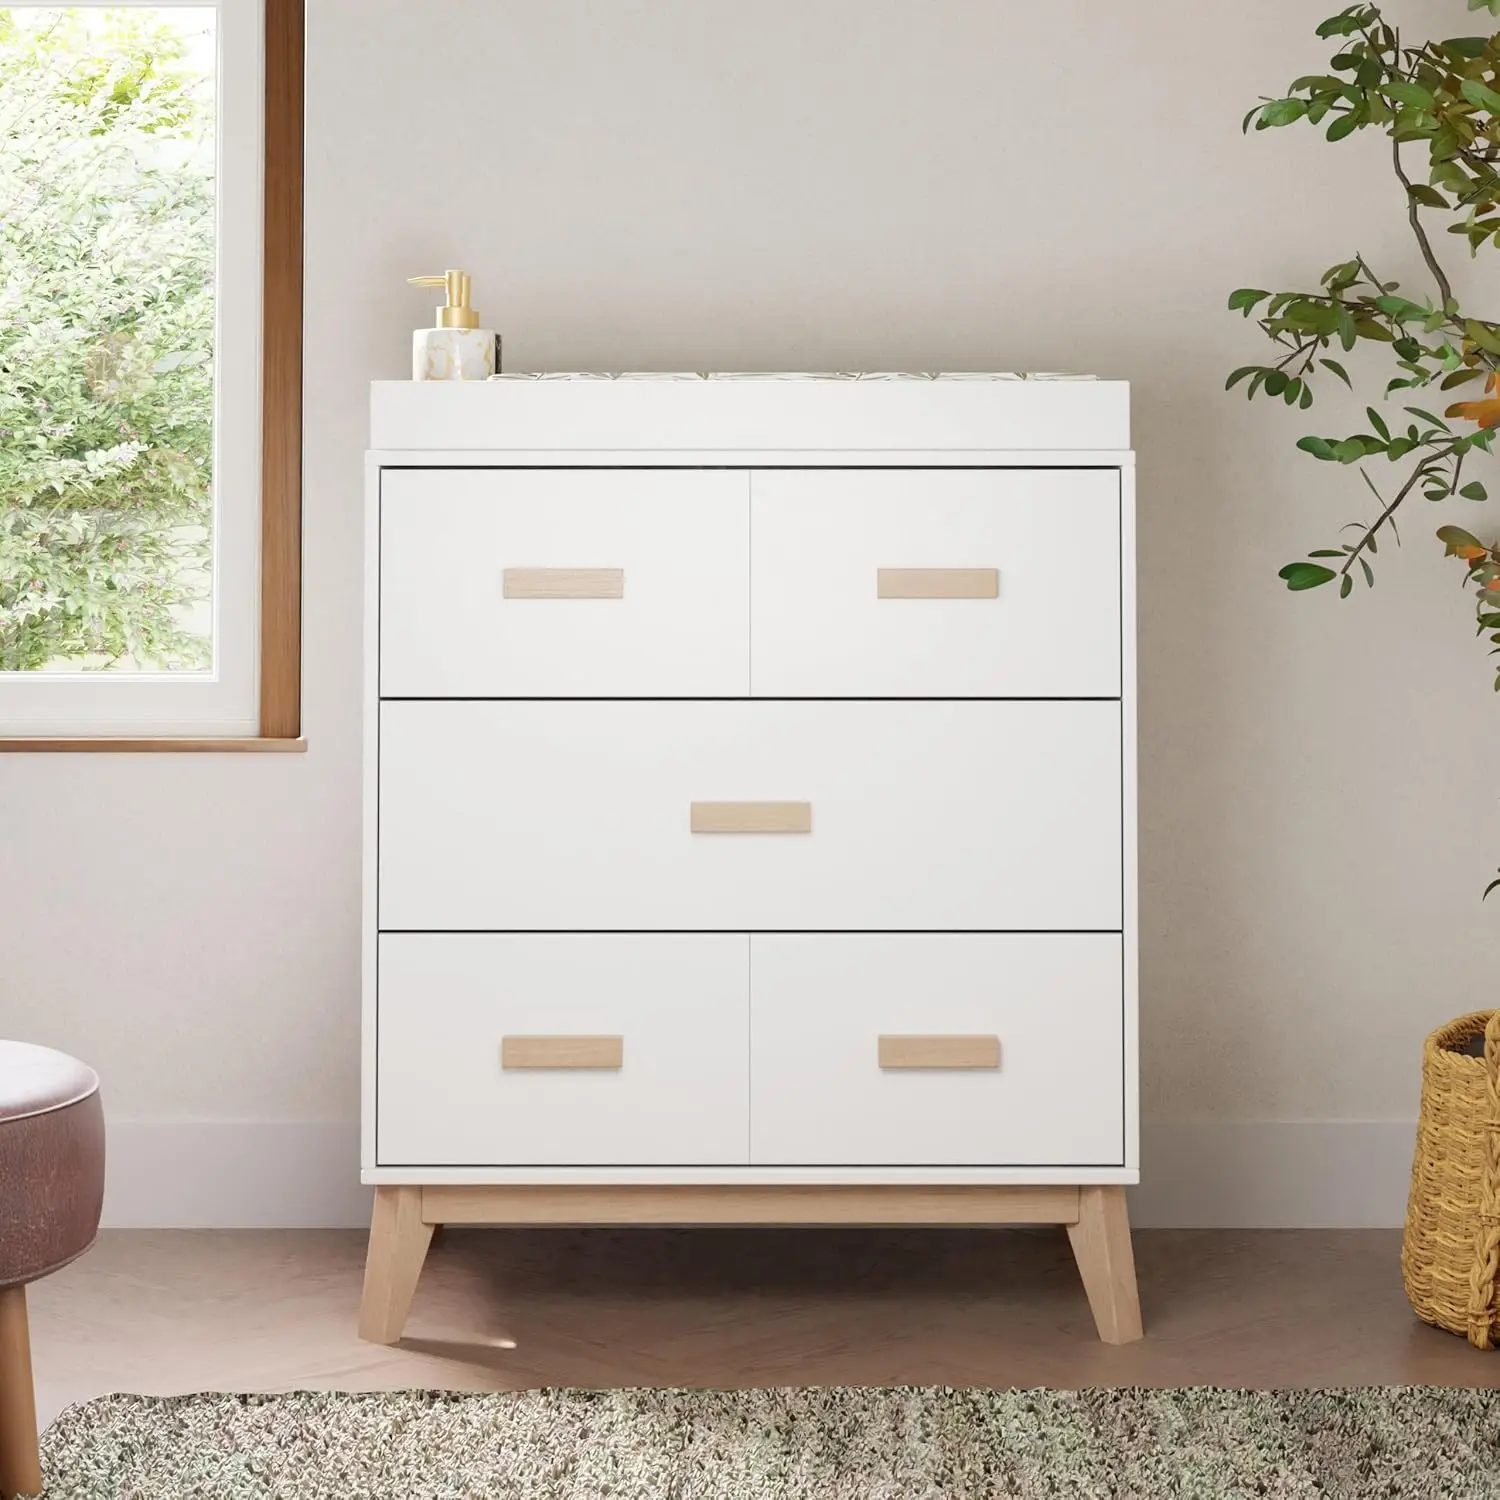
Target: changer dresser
x,y
750,807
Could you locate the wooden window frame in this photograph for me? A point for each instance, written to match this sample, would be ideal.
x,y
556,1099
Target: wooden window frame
x,y
280,688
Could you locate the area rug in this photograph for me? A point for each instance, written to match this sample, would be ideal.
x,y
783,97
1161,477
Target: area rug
x,y
789,1444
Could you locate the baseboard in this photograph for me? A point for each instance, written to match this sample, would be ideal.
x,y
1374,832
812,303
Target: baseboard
x,y
1252,1174
234,1174
1273,1174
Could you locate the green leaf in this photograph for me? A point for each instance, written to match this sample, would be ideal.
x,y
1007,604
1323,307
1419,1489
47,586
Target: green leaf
x,y
1427,416
1402,309
1337,368
1281,112
1378,423
1276,383
1306,399
1239,375
1339,25
1369,574
1245,299
1349,451
1345,125
1428,197
1305,575
1408,93
1345,274
1456,537
1483,335
1319,447
1475,491
1460,377
1346,587
1480,96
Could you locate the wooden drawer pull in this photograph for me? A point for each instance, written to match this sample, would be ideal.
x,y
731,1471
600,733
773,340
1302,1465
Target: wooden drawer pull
x,y
939,1051
751,817
937,583
559,1052
564,583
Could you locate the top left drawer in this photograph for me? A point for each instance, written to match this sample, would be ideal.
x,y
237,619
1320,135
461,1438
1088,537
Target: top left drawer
x,y
564,583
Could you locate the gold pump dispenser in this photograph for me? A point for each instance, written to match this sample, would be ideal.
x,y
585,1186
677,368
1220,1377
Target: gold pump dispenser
x,y
457,348
455,312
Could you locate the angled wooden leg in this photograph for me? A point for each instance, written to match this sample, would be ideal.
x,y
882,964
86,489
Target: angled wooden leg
x,y
1101,1246
20,1468
398,1246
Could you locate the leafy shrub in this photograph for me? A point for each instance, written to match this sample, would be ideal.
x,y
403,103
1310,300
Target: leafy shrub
x,y
106,342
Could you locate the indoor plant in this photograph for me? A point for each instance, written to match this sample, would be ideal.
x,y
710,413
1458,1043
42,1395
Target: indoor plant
x,y
1438,104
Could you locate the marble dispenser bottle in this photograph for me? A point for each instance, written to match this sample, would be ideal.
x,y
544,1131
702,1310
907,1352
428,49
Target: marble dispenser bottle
x,y
457,348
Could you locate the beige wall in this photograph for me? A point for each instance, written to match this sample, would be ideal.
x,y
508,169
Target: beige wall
x,y
895,184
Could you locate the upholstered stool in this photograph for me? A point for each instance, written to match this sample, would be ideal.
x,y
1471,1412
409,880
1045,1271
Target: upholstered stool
x,y
51,1189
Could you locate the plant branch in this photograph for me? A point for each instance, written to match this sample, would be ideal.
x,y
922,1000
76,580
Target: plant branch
x,y
1384,515
1445,291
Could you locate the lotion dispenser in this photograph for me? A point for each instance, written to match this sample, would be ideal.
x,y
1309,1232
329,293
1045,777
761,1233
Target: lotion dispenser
x,y
457,348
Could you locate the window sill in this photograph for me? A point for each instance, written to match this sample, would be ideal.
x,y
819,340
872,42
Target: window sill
x,y
174,746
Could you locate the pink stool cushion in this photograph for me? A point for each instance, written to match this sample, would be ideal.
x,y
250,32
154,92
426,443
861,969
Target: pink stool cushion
x,y
51,1160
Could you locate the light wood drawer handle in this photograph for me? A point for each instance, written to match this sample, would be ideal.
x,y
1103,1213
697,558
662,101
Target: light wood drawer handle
x,y
559,1052
937,583
563,583
751,817
939,1052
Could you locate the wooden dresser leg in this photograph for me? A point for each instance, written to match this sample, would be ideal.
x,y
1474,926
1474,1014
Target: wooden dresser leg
x,y
20,1467
398,1246
1101,1246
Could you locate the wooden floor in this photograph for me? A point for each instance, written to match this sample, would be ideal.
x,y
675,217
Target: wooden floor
x,y
171,1311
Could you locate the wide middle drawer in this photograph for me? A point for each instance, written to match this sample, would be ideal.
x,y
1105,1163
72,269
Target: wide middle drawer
x,y
759,816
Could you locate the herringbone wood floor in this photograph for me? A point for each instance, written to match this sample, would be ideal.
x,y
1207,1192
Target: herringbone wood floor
x,y
171,1311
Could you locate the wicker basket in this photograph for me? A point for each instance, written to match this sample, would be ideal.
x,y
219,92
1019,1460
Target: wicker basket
x,y
1451,1250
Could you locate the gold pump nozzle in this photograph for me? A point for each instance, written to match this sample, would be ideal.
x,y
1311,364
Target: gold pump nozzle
x,y
455,312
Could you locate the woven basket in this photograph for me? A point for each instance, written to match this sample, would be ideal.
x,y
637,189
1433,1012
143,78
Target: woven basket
x,y
1450,1253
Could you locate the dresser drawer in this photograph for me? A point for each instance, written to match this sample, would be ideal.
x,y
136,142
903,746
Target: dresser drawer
x,y
750,816
593,1050
563,583
936,583
937,1049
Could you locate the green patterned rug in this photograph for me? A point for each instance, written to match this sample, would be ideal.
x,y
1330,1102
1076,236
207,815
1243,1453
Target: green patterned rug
x,y
791,1444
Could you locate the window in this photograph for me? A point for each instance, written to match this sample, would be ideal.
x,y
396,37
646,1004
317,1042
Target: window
x,y
150,308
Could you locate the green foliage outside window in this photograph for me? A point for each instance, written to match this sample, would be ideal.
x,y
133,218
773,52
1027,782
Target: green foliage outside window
x,y
106,342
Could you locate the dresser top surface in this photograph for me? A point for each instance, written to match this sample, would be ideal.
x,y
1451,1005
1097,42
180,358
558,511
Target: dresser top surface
x,y
790,375
983,413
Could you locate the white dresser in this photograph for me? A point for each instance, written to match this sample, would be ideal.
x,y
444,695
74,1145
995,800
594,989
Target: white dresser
x,y
750,804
